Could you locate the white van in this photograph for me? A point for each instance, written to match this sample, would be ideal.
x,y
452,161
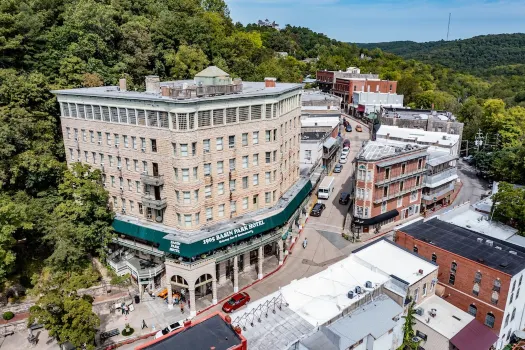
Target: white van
x,y
326,187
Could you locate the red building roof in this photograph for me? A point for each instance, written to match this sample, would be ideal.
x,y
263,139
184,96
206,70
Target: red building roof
x,y
474,336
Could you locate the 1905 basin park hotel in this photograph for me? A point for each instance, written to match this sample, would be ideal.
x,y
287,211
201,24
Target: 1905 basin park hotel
x,y
203,175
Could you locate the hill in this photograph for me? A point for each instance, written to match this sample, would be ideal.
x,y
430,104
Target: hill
x,y
474,55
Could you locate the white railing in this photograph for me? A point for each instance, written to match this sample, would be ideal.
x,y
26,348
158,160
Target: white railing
x,y
449,173
430,196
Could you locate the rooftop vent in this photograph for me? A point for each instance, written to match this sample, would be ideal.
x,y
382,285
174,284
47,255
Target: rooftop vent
x,y
489,242
513,252
153,84
480,240
504,264
498,247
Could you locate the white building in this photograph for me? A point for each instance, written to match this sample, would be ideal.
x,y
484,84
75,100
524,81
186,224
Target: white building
x,y
371,102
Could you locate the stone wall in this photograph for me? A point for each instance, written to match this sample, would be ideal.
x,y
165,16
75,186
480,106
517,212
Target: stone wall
x,y
17,308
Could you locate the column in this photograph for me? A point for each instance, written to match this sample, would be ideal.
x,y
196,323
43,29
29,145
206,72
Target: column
x,y
141,290
170,294
193,310
280,251
260,259
214,291
235,274
246,259
222,272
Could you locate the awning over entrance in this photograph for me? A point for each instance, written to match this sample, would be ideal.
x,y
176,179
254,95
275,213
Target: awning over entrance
x,y
377,219
215,240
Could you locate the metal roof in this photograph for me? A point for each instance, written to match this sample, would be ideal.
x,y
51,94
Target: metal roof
x,y
436,158
329,142
212,71
474,336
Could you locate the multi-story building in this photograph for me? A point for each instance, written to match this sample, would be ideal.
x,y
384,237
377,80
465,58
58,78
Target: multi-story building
x,y
347,87
388,183
326,78
441,178
478,273
203,175
371,102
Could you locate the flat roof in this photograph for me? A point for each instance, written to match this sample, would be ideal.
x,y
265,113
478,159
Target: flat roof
x,y
449,320
418,135
375,318
213,331
313,135
465,216
464,242
409,113
318,96
249,89
439,157
394,260
331,122
376,150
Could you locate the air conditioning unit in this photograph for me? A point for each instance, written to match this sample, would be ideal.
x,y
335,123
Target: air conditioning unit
x,y
368,284
358,290
143,149
350,295
419,311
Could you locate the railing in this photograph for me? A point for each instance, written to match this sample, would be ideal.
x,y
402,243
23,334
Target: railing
x,y
431,179
146,273
397,194
154,180
431,195
138,246
400,176
150,202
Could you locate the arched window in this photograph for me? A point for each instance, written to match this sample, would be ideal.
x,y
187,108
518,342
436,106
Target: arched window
x,y
497,285
511,298
513,314
434,257
415,249
472,309
490,320
513,286
477,277
452,279
521,278
506,320
508,335
495,297
454,267
475,289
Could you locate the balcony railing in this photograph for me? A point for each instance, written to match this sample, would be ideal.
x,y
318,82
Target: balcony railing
x,y
400,176
154,180
150,202
432,179
431,195
396,193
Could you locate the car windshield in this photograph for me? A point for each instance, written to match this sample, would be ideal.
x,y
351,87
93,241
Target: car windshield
x,y
231,301
165,330
174,325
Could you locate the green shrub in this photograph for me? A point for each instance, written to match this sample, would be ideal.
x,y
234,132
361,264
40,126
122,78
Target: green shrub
x,y
8,315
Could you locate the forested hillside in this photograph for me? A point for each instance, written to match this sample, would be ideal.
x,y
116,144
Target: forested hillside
x,y
475,55
54,220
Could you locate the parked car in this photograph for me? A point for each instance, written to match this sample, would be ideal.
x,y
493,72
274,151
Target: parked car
x,y
338,168
345,198
169,329
346,143
468,159
342,159
358,128
346,150
317,210
348,128
237,301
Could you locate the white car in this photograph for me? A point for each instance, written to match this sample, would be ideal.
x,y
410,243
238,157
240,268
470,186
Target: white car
x,y
169,329
343,159
345,151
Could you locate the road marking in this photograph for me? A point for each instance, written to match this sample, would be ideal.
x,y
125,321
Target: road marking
x,y
310,224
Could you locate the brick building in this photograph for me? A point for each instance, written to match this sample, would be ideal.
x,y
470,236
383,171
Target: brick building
x,y
203,175
479,274
388,183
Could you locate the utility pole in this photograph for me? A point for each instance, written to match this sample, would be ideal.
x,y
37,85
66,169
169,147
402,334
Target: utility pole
x,y
479,139
448,29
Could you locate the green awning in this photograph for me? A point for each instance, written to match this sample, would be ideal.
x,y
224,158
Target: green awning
x,y
218,240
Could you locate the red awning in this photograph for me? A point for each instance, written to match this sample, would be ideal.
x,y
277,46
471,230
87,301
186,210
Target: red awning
x,y
360,108
474,336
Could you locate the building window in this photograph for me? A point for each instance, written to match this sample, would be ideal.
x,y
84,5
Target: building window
x,y
207,191
514,285
220,167
495,298
196,195
475,289
506,321
245,182
452,279
244,162
490,320
424,289
383,207
91,136
221,211
255,179
255,161
497,285
245,139
219,144
453,267
267,177
418,180
141,209
413,196
477,277
137,186
434,257
231,141
186,195
232,185
209,214
513,314
245,203
187,220
233,206
472,309
220,188
232,164
184,150
415,249
399,201
196,172
268,136
268,197
197,218
255,137
268,157
207,169
416,295
419,163
143,144
185,174
403,168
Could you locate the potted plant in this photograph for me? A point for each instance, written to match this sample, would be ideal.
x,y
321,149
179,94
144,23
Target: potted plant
x,y
127,330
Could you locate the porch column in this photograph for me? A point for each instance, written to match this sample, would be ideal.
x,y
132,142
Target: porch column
x,y
235,274
260,259
141,290
214,291
193,310
280,248
222,272
246,259
170,294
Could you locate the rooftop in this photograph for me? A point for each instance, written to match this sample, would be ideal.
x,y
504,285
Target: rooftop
x,y
374,318
213,331
313,135
394,260
376,150
312,96
439,157
311,122
474,336
418,136
494,253
421,114
448,319
320,108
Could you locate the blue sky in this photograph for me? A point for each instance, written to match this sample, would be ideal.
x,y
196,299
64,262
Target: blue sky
x,y
388,20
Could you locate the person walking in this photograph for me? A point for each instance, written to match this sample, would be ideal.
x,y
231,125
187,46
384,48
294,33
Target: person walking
x,y
305,242
182,307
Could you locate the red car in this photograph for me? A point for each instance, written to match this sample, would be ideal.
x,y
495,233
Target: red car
x,y
236,302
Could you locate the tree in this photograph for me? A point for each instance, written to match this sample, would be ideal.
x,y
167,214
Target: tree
x,y
408,329
188,61
67,315
509,206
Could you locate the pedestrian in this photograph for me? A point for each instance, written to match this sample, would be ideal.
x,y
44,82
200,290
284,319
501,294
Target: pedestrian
x,y
182,307
305,242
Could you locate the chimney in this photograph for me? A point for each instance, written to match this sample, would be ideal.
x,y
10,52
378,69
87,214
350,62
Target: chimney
x,y
153,84
269,82
165,91
122,84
